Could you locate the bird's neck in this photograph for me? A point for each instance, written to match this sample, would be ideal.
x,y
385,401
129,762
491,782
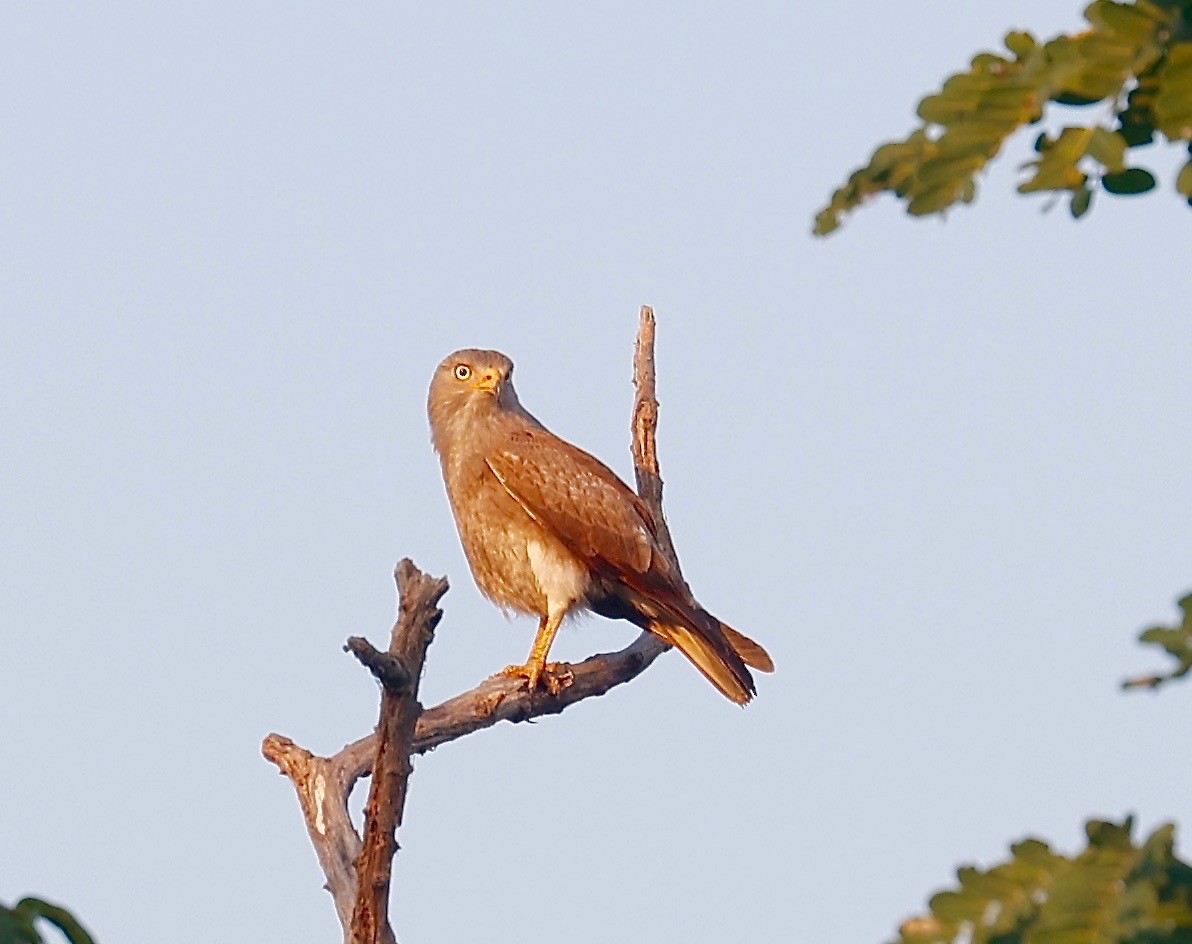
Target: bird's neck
x,y
462,428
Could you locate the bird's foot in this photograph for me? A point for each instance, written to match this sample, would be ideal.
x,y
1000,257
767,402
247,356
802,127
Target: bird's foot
x,y
553,676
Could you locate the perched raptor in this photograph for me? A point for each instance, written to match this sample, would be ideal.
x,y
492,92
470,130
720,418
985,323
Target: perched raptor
x,y
548,529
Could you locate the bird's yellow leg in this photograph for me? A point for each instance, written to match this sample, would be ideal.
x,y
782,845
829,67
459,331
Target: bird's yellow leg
x,y
536,667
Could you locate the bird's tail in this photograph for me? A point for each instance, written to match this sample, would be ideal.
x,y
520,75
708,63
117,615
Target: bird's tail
x,y
717,650
727,673
720,652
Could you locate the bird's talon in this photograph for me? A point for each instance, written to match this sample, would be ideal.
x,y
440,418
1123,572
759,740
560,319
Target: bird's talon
x,y
558,676
554,676
527,672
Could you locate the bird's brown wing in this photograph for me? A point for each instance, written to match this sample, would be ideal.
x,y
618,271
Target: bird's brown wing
x,y
577,498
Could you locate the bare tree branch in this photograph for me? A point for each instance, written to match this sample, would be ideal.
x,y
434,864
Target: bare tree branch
x,y
323,784
358,871
500,698
399,673
645,438
645,428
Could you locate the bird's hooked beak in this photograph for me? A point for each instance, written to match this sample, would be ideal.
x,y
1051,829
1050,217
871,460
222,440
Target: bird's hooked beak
x,y
488,381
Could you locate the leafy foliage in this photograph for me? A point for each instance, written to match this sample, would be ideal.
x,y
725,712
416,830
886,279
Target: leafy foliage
x,y
17,924
1176,641
1135,56
1114,892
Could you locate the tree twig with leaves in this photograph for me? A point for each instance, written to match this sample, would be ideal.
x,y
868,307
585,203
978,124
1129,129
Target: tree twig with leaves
x,y
1134,58
1176,641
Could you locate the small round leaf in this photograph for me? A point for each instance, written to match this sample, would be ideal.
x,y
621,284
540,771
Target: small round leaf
x,y
1128,182
1183,183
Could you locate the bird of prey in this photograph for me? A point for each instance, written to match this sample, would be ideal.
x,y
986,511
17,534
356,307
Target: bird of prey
x,y
549,530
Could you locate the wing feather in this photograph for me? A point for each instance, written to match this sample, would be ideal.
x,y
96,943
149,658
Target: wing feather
x,y
577,498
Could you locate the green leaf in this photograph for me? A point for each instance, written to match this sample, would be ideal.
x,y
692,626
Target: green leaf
x,y
1176,641
1183,183
984,138
1129,182
1056,169
1109,148
1124,19
932,201
946,109
16,929
940,173
29,910
988,62
826,221
1020,43
1137,122
1071,98
888,155
1071,145
1082,200
1173,99
1096,82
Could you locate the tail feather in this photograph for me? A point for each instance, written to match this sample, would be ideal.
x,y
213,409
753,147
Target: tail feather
x,y
718,651
751,653
733,681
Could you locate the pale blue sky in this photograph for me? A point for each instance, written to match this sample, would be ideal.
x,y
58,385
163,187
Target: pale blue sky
x,y
940,469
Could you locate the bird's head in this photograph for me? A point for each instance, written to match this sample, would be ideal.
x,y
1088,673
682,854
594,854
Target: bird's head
x,y
466,385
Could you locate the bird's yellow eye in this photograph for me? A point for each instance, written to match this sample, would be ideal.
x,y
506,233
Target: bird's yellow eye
x,y
462,371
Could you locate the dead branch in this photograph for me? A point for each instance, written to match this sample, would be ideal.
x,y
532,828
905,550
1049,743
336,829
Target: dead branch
x,y
323,784
358,870
645,429
399,674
